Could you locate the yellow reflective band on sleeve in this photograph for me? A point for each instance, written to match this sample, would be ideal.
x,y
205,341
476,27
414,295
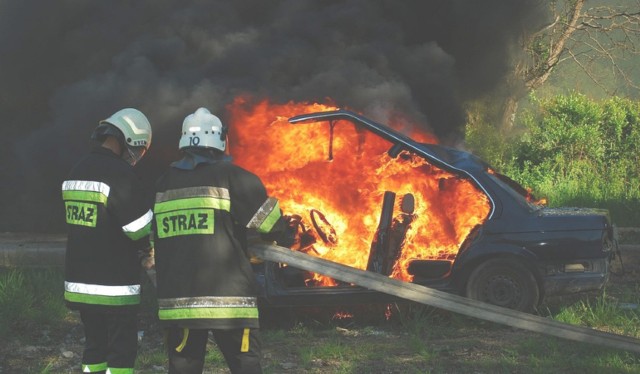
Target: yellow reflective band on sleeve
x,y
244,347
139,228
266,216
81,199
89,186
270,221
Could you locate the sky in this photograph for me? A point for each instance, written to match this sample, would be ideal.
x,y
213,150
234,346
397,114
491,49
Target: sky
x,y
67,64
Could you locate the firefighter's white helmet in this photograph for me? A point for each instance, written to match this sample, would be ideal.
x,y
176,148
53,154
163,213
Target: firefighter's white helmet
x,y
203,129
135,132
134,126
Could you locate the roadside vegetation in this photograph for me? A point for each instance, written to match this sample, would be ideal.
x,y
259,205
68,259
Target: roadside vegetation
x,y
573,151
30,299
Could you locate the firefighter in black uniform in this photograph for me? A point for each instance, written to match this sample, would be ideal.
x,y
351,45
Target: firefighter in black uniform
x,y
204,207
109,220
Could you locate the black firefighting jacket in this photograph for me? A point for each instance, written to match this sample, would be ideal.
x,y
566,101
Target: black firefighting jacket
x,y
109,219
203,209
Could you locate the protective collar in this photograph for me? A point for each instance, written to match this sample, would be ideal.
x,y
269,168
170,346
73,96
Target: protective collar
x,y
193,157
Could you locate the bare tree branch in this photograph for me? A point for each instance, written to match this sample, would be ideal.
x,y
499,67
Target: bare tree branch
x,y
593,39
539,74
587,71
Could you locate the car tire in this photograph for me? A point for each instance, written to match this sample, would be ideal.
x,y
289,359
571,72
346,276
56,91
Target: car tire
x,y
506,283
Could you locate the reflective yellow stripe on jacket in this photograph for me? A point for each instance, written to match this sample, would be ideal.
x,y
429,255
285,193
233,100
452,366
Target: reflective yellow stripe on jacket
x,y
81,200
266,216
102,295
211,307
140,227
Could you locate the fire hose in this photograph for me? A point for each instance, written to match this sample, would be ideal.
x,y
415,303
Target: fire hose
x,y
439,299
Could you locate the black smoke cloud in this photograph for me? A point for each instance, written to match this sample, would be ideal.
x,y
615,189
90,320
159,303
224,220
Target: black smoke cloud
x,y
67,64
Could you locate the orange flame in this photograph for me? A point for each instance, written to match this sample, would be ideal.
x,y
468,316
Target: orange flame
x,y
534,200
343,193
527,192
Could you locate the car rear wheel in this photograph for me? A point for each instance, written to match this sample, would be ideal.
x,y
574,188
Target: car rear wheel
x,y
506,283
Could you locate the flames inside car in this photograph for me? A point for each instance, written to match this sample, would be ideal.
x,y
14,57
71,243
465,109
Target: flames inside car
x,y
364,195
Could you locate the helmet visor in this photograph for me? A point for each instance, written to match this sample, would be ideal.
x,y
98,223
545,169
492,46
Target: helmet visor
x,y
134,154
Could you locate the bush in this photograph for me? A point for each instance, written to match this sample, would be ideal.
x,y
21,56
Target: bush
x,y
578,152
30,297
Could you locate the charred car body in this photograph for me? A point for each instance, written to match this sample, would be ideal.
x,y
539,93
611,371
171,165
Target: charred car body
x,y
518,254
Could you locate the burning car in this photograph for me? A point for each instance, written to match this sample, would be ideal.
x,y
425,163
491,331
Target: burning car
x,y
365,195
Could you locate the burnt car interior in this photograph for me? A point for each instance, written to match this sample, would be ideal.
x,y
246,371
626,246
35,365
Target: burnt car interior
x,y
397,215
386,246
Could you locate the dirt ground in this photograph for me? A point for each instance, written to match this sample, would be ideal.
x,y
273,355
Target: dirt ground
x,y
60,350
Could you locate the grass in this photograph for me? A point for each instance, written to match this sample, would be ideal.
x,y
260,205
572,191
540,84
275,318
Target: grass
x,y
416,339
603,313
427,340
628,235
30,298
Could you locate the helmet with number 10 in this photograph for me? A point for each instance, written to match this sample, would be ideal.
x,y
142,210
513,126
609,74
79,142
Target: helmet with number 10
x,y
204,130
